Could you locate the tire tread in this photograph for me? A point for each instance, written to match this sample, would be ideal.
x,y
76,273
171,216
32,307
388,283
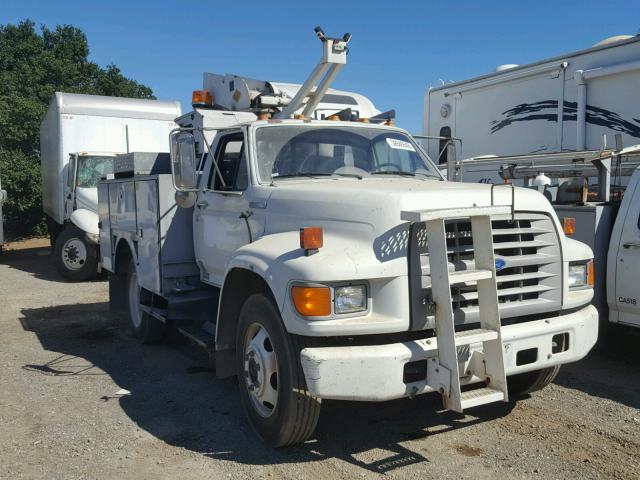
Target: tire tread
x,y
529,382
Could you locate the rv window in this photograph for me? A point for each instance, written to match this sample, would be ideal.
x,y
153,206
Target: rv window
x,y
443,155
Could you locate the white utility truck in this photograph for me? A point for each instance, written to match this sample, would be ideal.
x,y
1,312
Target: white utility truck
x,y
546,125
329,259
3,198
79,137
605,215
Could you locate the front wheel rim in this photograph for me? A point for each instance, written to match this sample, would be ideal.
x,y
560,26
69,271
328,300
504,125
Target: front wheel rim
x,y
74,254
260,370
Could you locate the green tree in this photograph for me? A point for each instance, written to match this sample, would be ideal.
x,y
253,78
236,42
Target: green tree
x,y
33,65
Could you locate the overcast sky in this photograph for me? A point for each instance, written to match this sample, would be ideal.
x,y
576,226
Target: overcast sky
x,y
398,49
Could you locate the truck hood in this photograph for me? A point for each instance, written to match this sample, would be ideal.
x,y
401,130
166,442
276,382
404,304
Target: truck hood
x,y
370,207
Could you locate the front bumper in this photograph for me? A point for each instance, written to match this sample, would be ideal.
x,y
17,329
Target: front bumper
x,y
375,373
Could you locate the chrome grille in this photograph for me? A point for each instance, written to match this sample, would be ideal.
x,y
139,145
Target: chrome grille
x,y
529,282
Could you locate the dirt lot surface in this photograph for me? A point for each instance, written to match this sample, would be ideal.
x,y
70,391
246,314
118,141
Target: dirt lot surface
x,y
63,359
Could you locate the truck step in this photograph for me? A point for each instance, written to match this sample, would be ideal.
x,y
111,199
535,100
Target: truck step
x,y
158,313
476,335
198,335
480,396
464,276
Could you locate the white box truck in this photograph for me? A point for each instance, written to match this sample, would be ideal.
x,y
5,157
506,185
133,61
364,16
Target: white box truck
x,y
79,136
328,259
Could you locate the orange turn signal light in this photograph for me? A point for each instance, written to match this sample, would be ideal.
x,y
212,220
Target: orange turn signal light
x,y
201,97
568,225
591,275
311,238
312,301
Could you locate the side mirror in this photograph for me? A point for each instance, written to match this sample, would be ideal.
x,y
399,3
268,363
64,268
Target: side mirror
x,y
184,164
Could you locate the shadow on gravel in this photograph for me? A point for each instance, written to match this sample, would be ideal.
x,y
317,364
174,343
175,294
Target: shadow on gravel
x,y
176,397
37,262
612,376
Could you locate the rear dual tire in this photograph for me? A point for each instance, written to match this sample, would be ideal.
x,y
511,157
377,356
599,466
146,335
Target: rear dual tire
x,y
529,382
144,327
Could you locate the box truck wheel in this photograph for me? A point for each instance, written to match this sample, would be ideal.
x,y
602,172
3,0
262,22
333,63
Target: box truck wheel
x,y
145,328
75,258
529,382
273,391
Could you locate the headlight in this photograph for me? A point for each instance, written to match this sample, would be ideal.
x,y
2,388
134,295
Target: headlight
x,y
93,237
350,299
580,274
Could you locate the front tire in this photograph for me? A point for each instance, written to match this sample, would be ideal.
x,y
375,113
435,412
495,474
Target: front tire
x,y
529,382
145,328
273,390
75,258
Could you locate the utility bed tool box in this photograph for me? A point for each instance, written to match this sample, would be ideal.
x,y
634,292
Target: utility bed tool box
x,y
142,210
141,163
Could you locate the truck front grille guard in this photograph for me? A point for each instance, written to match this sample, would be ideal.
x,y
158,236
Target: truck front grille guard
x,y
528,268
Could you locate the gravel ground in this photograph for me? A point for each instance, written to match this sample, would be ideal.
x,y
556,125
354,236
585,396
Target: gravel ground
x,y
63,358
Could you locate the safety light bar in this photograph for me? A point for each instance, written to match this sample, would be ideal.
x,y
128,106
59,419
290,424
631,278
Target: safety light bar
x,y
201,98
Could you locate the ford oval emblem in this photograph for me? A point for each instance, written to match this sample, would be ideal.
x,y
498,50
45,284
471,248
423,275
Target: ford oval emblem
x,y
500,264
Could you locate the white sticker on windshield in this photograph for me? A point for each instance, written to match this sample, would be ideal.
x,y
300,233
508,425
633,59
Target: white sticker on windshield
x,y
400,144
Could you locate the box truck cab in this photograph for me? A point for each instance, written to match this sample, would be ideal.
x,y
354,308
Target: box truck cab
x,y
79,137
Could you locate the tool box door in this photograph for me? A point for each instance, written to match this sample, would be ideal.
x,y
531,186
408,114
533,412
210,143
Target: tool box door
x,y
147,234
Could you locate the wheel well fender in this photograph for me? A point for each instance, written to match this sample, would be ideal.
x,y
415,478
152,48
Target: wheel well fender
x,y
85,220
125,252
239,284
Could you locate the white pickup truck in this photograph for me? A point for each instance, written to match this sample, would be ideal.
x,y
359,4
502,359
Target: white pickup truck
x,y
623,262
329,259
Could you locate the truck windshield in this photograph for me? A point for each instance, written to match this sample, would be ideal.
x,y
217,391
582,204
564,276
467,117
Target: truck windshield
x,y
91,168
298,150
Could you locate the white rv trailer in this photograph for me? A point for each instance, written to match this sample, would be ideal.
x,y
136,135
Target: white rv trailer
x,y
504,127
79,136
516,109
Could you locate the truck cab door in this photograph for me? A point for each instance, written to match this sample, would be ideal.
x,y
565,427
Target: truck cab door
x,y
70,187
627,267
219,225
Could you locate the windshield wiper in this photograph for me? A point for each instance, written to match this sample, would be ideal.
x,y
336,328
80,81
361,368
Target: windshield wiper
x,y
301,174
394,172
351,175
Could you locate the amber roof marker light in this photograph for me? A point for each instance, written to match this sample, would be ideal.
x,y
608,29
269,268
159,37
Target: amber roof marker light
x,y
568,225
201,98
